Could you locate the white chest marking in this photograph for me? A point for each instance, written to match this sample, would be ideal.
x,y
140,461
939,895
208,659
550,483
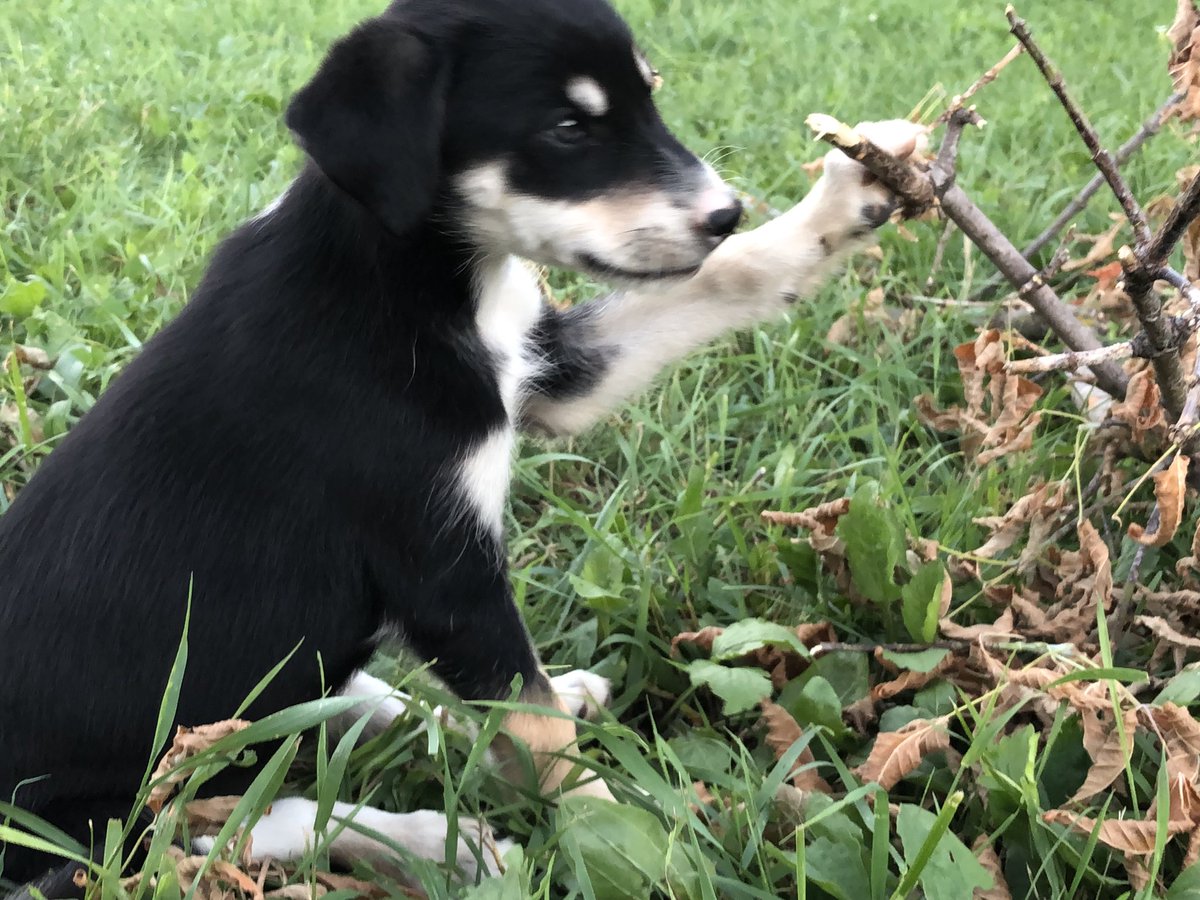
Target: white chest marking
x,y
508,306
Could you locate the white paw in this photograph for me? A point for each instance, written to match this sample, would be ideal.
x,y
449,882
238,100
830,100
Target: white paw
x,y
285,833
852,193
583,692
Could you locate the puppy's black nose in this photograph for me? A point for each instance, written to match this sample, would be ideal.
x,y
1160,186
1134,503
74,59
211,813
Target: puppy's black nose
x,y
722,222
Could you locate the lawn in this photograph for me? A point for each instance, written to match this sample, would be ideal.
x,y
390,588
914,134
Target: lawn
x,y
134,136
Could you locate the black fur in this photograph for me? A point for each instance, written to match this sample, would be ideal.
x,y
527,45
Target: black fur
x,y
285,448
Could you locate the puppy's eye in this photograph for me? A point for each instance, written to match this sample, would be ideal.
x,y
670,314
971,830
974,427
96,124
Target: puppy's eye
x,y
568,131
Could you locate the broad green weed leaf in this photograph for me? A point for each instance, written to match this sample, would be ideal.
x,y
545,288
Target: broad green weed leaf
x,y
749,635
838,869
874,544
740,689
512,885
952,872
623,849
922,661
815,702
921,599
1008,764
21,298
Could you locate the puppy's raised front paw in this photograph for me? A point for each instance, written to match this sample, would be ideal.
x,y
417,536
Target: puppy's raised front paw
x,y
854,190
583,692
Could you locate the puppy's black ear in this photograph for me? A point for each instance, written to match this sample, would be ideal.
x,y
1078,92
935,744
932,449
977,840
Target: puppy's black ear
x,y
371,119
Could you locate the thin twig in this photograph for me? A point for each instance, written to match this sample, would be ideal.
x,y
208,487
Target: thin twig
x,y
1149,128
1164,344
985,79
939,254
1060,256
1100,156
945,167
1005,257
910,184
1039,647
1071,360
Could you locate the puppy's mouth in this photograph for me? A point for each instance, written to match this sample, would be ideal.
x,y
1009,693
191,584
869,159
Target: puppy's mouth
x,y
593,265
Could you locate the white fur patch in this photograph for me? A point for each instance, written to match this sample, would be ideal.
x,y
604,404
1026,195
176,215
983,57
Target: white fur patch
x,y
286,832
587,94
484,477
508,304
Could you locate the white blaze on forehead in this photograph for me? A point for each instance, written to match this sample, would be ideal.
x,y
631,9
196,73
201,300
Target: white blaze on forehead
x,y
587,94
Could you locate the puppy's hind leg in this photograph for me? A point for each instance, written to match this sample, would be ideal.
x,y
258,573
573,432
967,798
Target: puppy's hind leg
x,y
287,831
478,645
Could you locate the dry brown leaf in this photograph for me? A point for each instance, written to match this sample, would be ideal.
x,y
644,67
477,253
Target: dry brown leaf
x,y
335,882
1184,63
1132,836
896,753
702,639
704,796
1017,421
1190,564
207,817
1103,247
188,742
1110,745
1082,579
1001,628
1142,409
783,731
987,857
34,357
1162,630
847,329
823,517
219,872
998,417
1170,488
1038,510
1180,736
296,892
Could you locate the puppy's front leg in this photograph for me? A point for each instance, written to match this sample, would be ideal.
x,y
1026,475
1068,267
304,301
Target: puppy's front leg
x,y
598,354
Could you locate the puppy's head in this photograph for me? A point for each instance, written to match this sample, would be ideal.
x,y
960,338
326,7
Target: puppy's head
x,y
527,126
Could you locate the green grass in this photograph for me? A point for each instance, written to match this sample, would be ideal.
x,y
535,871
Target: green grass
x,y
133,137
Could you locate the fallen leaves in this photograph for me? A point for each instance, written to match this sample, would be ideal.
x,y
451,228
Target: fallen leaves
x,y
1170,490
783,732
1184,63
897,753
1000,416
188,742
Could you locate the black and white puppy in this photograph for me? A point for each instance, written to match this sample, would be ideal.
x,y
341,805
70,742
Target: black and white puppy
x,y
318,446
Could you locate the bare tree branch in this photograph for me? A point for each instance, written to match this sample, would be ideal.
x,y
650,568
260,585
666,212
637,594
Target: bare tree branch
x,y
1071,360
1100,156
1149,128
